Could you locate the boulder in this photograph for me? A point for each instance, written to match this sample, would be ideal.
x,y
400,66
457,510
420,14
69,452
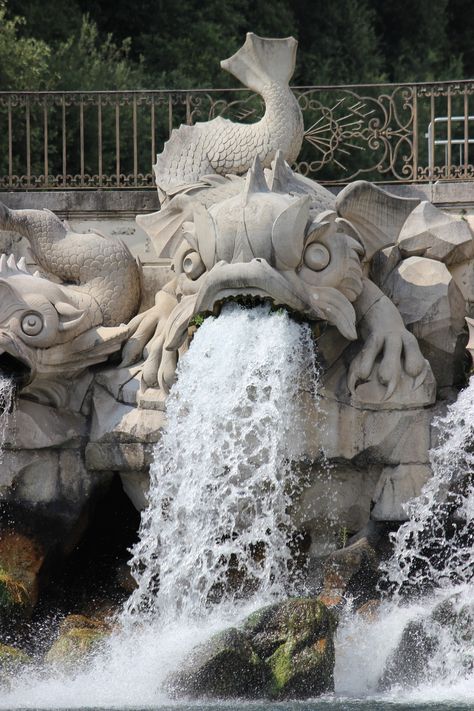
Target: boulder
x,y
354,571
224,667
12,660
421,653
78,638
408,664
282,651
296,640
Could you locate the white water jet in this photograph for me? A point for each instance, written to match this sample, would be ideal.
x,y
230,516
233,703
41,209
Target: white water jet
x,y
220,491
433,561
223,477
7,402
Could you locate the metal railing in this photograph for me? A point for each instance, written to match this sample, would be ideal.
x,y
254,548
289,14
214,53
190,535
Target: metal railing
x,y
109,139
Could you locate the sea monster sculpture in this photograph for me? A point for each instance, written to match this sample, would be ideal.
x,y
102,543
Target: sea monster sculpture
x,y
224,147
284,239
51,332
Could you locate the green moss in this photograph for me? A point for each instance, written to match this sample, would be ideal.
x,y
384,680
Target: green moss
x,y
11,662
13,594
74,645
197,320
281,668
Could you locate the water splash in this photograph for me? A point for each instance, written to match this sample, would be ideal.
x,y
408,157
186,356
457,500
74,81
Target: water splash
x,y
434,548
430,578
7,403
217,528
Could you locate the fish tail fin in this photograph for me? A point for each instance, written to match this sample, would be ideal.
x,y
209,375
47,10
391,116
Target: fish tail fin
x,y
261,61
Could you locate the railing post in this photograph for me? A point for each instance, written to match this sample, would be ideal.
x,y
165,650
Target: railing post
x,y
45,142
10,143
28,141
415,133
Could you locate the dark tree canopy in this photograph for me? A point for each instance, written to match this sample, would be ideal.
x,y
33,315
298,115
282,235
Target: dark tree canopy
x,y
84,44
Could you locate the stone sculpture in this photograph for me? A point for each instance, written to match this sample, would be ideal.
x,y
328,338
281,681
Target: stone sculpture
x,y
223,147
272,241
50,333
385,281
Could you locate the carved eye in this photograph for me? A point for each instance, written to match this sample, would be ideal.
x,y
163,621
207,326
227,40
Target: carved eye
x,y
316,256
193,265
32,324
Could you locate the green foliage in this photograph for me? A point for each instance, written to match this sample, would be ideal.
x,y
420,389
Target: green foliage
x,y
88,45
88,61
197,320
24,61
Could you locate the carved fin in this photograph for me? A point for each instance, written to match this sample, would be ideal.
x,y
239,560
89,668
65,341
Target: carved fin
x,y
74,316
281,176
206,234
377,215
255,181
288,233
163,227
260,61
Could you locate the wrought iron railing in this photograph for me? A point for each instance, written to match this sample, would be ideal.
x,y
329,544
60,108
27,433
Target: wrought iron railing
x,y
109,139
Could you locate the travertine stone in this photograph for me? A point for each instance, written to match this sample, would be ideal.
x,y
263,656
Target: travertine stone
x,y
115,422
396,486
428,232
117,456
339,497
37,426
386,437
432,307
135,485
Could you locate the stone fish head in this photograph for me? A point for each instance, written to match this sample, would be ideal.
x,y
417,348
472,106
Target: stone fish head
x,y
46,331
268,246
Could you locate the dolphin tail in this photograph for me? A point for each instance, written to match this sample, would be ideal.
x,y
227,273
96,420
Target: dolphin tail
x,y
261,61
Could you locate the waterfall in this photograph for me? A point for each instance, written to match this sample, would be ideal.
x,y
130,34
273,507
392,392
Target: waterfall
x,y
430,577
214,540
7,402
435,546
217,528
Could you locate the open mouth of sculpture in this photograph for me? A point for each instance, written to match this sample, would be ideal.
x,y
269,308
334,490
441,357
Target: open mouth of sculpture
x,y
251,284
256,282
16,368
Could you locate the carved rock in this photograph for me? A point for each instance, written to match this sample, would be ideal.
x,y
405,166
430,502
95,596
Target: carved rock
x,y
223,147
433,308
396,486
430,233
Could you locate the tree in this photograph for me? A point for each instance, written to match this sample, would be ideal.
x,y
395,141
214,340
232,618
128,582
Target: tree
x,y
24,61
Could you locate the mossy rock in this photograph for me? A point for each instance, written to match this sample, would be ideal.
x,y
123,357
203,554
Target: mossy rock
x,y
14,598
224,667
12,661
282,651
305,620
302,665
79,637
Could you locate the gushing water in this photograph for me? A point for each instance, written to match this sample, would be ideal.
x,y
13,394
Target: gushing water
x,y
217,527
430,576
7,401
435,546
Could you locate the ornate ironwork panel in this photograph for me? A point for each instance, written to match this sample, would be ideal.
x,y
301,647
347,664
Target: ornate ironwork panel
x,y
399,133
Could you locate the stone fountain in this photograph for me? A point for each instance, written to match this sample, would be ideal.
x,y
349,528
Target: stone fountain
x,y
383,280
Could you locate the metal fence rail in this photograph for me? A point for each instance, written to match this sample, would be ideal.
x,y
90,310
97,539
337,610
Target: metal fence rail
x,y
109,139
